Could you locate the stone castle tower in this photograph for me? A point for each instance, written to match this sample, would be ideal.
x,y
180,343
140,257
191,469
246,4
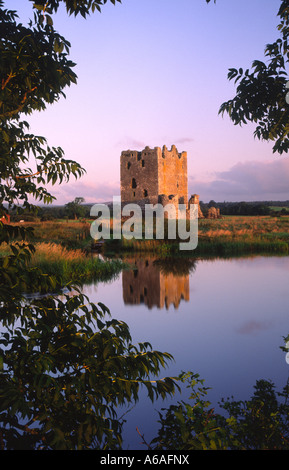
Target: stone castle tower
x,y
154,175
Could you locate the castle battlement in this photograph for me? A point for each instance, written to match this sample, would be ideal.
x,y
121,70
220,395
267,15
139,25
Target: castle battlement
x,y
173,153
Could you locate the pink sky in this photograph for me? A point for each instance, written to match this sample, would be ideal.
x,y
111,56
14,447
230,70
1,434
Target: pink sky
x,y
154,72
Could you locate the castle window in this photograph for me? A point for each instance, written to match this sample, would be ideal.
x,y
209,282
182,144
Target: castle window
x,y
128,165
133,193
142,163
145,192
133,183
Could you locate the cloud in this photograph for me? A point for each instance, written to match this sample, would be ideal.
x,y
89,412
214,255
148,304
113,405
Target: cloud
x,y
130,143
92,192
252,180
254,327
184,140
270,176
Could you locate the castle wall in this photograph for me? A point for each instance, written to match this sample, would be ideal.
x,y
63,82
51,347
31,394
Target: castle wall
x,y
139,175
173,179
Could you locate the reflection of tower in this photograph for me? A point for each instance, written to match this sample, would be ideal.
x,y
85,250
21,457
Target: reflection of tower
x,y
145,283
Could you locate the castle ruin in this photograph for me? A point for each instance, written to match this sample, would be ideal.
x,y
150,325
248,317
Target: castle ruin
x,y
155,176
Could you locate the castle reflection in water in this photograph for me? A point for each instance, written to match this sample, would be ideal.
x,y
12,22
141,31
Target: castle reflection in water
x,y
155,282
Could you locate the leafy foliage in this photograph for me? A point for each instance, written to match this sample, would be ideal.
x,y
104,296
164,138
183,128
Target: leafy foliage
x,y
74,209
33,75
64,368
260,423
261,92
190,427
82,7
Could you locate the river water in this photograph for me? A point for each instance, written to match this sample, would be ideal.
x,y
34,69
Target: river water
x,y
224,319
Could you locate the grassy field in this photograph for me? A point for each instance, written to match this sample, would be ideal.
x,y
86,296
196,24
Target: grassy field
x,y
70,233
227,235
245,233
278,208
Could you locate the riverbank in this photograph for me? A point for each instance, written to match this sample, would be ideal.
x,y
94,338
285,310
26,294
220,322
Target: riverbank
x,y
205,248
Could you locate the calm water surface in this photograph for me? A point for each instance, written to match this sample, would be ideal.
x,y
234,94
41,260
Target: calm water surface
x,y
224,319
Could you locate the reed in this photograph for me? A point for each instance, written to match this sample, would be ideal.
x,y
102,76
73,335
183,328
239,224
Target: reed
x,y
69,265
208,247
242,246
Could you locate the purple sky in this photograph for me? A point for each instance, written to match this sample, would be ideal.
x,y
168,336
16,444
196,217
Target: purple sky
x,y
154,72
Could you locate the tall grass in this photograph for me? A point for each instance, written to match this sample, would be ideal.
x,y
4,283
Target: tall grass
x,y
73,234
217,246
69,264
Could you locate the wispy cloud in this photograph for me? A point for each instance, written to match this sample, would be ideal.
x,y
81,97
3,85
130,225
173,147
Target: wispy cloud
x,y
253,327
184,140
252,180
129,143
92,193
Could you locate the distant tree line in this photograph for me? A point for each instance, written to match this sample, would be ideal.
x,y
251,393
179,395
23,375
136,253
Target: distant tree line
x,y
75,209
248,208
244,208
